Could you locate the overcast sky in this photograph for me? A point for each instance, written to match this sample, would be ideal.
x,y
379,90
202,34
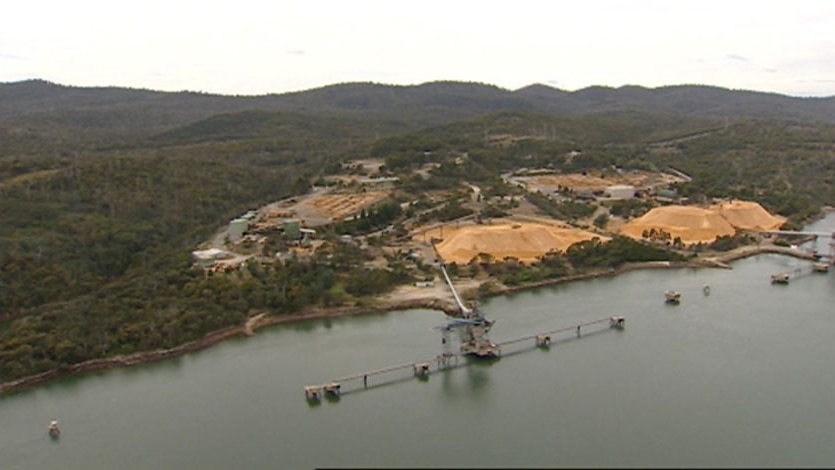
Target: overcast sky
x,y
256,47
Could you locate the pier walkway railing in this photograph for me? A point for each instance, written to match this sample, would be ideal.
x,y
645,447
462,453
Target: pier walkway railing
x,y
423,369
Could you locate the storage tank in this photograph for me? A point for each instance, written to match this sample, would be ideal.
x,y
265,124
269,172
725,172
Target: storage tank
x,y
292,229
237,228
621,191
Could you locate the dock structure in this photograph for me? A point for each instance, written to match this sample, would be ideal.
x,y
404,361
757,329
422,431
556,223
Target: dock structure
x,y
313,392
446,360
544,338
784,277
813,237
472,326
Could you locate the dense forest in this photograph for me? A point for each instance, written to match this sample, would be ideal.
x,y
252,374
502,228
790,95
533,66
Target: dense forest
x,y
105,191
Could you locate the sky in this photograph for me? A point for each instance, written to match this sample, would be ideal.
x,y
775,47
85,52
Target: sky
x,y
248,47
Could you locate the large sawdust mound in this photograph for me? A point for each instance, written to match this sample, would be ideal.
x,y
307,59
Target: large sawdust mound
x,y
748,215
691,224
525,242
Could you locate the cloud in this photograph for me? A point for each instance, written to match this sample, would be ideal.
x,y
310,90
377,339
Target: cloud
x,y
10,56
737,57
296,52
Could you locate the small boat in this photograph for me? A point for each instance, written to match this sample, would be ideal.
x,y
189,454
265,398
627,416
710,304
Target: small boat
x,y
820,267
672,297
54,432
780,278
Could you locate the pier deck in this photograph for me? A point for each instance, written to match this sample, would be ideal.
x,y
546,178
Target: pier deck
x,y
446,360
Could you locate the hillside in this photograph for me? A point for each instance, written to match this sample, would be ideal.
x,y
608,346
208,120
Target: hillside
x,y
425,104
107,191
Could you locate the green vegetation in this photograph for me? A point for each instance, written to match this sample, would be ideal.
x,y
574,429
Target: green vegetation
x,y
569,210
594,253
105,192
371,220
630,208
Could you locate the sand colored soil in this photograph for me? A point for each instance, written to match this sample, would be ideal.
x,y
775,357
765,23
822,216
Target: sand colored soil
x,y
574,181
338,206
748,215
694,224
525,241
580,181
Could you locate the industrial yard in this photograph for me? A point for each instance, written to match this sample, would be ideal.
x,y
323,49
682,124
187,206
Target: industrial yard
x,y
524,234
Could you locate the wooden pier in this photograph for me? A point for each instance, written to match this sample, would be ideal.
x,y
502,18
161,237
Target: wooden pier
x,y
423,369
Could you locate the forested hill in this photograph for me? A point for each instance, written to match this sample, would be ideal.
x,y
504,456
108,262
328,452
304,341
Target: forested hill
x,y
426,104
105,192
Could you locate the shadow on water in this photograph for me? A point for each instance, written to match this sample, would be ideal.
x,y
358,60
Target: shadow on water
x,y
333,398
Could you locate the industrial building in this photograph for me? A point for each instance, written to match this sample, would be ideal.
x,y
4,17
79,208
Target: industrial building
x,y
620,191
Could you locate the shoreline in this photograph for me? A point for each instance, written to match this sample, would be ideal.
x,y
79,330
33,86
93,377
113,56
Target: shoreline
x,y
263,320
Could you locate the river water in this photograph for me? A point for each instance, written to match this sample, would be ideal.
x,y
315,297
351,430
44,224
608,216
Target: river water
x,y
739,377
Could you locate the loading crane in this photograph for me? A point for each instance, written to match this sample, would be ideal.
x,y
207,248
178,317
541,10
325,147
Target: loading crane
x,y
471,327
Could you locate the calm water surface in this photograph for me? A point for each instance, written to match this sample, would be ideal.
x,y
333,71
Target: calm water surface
x,y
741,377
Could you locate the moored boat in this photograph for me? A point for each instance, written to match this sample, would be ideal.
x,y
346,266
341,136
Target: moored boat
x,y
780,278
54,432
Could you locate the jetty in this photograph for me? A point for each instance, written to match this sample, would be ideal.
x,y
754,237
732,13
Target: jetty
x,y
448,360
784,277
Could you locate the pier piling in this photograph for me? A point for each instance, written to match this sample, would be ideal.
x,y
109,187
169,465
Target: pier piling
x,y
422,369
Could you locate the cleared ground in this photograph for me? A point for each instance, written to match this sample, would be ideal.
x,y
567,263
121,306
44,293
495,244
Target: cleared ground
x,y
592,182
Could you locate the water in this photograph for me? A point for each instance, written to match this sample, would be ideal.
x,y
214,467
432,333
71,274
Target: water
x,y
741,377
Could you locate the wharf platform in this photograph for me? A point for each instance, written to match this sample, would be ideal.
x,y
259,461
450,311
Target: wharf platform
x,y
422,369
